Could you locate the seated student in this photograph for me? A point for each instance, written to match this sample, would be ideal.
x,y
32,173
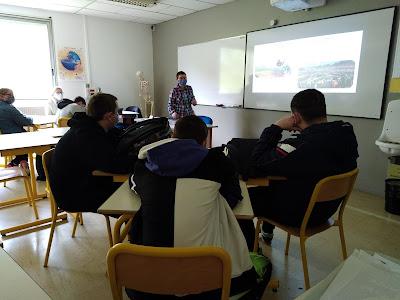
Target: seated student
x,y
55,98
187,192
89,145
321,149
12,121
69,107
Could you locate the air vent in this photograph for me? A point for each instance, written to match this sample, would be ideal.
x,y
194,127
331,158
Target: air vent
x,y
142,3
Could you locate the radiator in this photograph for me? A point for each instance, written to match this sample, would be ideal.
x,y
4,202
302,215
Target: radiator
x,y
33,110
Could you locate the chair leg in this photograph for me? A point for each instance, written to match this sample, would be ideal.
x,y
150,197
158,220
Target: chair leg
x,y
258,229
304,261
342,240
287,244
81,219
53,226
110,239
29,194
75,224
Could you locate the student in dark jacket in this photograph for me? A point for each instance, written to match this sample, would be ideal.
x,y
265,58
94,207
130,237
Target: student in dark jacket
x,y
187,192
320,149
89,145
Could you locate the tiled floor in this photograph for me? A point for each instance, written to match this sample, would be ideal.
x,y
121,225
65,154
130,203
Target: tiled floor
x,y
77,267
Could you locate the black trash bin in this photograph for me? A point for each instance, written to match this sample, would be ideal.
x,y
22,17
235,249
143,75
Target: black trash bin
x,y
392,196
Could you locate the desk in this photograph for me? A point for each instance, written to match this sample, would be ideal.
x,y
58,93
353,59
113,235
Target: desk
x,y
124,201
28,143
116,177
15,284
41,120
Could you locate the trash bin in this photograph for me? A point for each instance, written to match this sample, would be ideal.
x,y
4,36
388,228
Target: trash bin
x,y
392,196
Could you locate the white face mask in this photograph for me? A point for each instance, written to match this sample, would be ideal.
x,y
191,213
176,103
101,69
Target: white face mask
x,y
58,96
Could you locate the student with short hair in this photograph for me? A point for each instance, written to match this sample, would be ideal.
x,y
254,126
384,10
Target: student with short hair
x,y
68,110
181,98
55,98
187,192
89,145
319,150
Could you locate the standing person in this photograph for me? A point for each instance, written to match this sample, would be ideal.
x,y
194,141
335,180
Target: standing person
x,y
56,97
89,145
181,98
321,149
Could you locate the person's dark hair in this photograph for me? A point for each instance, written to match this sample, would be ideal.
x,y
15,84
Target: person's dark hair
x,y
180,73
191,127
100,104
310,104
79,99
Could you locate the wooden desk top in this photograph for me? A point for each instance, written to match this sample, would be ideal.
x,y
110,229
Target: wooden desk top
x,y
26,140
15,284
43,119
126,201
53,132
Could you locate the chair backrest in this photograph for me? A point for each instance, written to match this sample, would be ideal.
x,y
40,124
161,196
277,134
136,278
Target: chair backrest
x,y
62,122
168,271
135,108
330,189
206,120
47,158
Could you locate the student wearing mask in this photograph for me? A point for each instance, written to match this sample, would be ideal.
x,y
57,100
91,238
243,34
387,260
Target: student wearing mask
x,y
90,144
55,98
181,98
12,121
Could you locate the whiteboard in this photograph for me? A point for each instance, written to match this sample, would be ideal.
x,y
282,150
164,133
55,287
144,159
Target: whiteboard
x,y
215,70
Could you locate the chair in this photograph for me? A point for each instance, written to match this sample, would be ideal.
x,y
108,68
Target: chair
x,y
168,271
135,108
206,120
47,159
15,173
327,189
62,122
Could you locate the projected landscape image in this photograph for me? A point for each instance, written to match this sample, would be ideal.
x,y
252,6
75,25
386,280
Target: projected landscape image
x,y
328,62
332,75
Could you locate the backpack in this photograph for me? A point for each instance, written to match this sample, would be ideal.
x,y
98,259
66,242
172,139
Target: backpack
x,y
142,133
239,151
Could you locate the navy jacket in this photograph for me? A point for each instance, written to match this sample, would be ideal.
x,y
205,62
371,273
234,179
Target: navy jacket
x,y
11,119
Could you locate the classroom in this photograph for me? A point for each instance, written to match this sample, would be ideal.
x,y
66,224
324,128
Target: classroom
x,y
239,59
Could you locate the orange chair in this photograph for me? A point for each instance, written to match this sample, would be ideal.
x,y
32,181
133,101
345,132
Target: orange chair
x,y
62,122
327,189
168,271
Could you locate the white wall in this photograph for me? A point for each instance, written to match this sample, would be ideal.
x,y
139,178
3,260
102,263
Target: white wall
x,y
115,50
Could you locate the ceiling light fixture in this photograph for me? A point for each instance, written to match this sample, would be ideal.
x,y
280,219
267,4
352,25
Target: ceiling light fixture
x,y
142,3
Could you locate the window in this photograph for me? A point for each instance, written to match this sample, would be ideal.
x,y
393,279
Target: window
x,y
26,56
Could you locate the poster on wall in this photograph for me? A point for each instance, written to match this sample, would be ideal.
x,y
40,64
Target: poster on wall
x,y
70,64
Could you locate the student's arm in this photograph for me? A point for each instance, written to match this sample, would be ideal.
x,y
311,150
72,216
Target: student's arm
x,y
19,118
264,151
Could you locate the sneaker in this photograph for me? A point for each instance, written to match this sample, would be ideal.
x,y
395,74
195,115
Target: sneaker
x,y
267,236
24,165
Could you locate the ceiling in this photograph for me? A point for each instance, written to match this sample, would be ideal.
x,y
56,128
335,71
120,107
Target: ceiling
x,y
165,10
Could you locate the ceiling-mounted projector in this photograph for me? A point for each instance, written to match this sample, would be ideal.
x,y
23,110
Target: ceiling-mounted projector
x,y
143,3
295,5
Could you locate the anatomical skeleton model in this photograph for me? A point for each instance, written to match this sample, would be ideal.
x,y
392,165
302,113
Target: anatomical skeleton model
x,y
144,94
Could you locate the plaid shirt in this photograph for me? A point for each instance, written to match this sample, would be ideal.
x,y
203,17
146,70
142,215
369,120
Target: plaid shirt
x,y
180,101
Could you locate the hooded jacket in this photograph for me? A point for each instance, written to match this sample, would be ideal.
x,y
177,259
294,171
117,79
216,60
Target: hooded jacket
x,y
319,151
187,192
84,148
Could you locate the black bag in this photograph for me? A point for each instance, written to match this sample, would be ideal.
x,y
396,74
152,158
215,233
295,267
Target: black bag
x,y
239,151
142,133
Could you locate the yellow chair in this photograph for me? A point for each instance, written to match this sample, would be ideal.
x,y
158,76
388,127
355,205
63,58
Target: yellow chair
x,y
15,173
62,122
327,189
47,159
168,271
